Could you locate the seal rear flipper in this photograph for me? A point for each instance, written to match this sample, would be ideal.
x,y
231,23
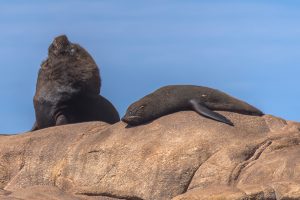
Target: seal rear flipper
x,y
202,110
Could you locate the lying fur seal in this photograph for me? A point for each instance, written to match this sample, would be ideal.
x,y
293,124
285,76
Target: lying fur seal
x,y
68,87
173,98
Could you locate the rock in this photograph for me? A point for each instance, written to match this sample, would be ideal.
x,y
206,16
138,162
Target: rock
x,y
46,193
178,156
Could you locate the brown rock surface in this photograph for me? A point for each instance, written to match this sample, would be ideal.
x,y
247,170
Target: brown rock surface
x,y
179,156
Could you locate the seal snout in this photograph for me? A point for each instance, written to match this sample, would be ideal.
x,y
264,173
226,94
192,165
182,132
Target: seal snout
x,y
131,119
59,45
61,40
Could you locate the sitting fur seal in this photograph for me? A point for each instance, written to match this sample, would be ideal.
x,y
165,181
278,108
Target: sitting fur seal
x,y
68,88
173,98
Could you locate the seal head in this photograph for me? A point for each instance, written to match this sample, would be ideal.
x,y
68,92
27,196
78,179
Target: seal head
x,y
146,109
137,114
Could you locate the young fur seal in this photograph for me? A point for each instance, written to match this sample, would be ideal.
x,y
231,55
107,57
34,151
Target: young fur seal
x,y
173,98
68,87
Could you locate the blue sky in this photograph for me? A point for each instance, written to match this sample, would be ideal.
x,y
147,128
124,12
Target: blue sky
x,y
249,49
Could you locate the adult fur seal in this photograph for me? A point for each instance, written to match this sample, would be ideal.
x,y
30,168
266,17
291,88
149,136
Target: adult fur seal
x,y
173,98
68,87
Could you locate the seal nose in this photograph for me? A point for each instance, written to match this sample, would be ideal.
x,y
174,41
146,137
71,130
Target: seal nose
x,y
132,120
124,119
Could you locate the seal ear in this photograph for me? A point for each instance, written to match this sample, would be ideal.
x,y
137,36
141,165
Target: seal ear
x,y
204,111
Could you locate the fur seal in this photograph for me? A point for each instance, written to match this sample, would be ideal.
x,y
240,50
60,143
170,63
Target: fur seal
x,y
68,87
173,98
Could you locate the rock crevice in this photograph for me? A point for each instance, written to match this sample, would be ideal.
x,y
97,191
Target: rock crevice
x,y
252,157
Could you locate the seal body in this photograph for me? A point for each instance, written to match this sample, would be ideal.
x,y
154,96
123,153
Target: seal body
x,y
173,98
68,87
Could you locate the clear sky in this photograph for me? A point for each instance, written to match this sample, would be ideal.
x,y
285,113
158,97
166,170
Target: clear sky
x,y
249,49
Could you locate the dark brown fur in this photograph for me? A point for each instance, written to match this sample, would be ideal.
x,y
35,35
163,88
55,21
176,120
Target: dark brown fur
x,y
174,98
68,88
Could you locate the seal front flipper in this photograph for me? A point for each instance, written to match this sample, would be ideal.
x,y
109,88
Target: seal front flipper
x,y
202,110
34,127
61,119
